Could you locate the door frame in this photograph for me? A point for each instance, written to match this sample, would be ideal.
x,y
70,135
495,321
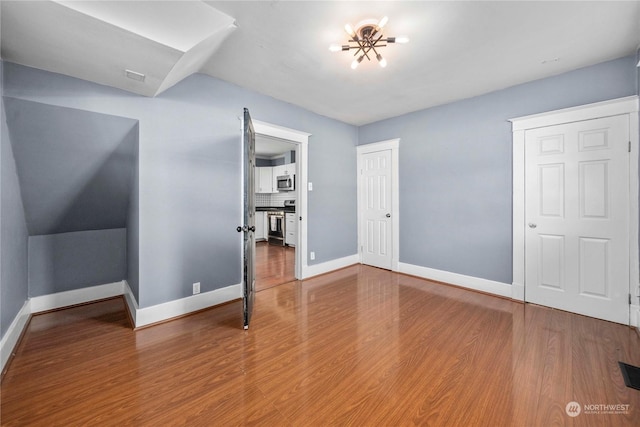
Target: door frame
x,y
301,140
394,146
615,107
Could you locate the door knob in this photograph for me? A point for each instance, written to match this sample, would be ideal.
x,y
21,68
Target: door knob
x,y
252,228
388,215
532,225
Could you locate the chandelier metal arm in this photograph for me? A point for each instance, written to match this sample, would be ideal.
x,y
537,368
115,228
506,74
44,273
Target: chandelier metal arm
x,y
358,47
361,45
367,38
372,46
366,45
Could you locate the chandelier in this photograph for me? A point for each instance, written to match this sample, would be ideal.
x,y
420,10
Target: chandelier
x,y
366,40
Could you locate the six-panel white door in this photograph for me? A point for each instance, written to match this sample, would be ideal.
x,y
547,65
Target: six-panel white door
x,y
577,214
377,243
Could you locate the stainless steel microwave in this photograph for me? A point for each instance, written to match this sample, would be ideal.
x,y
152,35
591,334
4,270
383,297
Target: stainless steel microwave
x,y
286,182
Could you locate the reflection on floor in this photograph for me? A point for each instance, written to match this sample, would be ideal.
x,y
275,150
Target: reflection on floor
x,y
275,265
360,346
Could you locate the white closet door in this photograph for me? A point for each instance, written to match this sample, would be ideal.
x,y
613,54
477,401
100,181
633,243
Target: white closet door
x,y
377,242
577,214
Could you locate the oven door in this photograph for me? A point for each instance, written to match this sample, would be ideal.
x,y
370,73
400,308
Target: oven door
x,y
276,224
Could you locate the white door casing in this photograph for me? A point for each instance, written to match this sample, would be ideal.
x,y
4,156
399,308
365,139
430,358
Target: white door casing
x,y
591,169
577,212
302,140
378,210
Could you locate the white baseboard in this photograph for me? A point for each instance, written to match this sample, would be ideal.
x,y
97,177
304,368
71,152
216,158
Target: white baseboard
x,y
77,296
11,337
325,267
470,282
517,291
130,301
168,310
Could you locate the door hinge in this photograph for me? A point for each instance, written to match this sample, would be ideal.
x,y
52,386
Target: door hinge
x,y
629,146
629,299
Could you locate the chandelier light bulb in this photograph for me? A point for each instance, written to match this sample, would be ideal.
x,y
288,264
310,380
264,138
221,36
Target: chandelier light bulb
x,y
381,60
383,22
335,48
356,62
349,30
402,40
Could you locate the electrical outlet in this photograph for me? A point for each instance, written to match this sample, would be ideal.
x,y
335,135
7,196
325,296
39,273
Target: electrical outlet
x,y
312,256
196,288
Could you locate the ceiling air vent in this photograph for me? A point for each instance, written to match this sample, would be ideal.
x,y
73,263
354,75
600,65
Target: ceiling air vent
x,y
134,75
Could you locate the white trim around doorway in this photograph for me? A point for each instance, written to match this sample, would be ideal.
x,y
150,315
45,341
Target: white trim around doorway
x,y
301,139
394,146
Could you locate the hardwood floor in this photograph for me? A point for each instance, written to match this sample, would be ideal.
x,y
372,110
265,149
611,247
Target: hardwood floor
x,y
275,265
360,346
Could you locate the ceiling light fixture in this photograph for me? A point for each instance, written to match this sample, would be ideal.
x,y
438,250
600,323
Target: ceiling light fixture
x,y
367,38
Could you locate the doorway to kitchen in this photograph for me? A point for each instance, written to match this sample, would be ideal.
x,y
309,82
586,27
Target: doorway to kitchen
x,y
280,182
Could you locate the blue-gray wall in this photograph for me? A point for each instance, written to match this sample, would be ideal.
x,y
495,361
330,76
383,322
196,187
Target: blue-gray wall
x,y
74,167
76,172
13,229
68,261
455,173
456,166
189,174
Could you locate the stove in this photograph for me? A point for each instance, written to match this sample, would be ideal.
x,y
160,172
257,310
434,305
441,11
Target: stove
x,y
276,222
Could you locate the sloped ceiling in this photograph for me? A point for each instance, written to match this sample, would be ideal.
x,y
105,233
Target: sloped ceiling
x,y
75,167
165,41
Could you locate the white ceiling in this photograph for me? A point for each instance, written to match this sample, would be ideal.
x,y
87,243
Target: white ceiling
x,y
98,40
280,48
267,146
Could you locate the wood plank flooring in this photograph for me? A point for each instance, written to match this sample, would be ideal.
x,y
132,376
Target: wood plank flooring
x,y
360,346
275,265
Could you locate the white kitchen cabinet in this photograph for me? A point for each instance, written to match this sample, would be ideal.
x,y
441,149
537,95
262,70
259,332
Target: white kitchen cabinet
x,y
291,229
265,180
261,231
265,223
289,169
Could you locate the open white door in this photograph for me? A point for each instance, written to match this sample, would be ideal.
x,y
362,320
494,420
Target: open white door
x,y
249,227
